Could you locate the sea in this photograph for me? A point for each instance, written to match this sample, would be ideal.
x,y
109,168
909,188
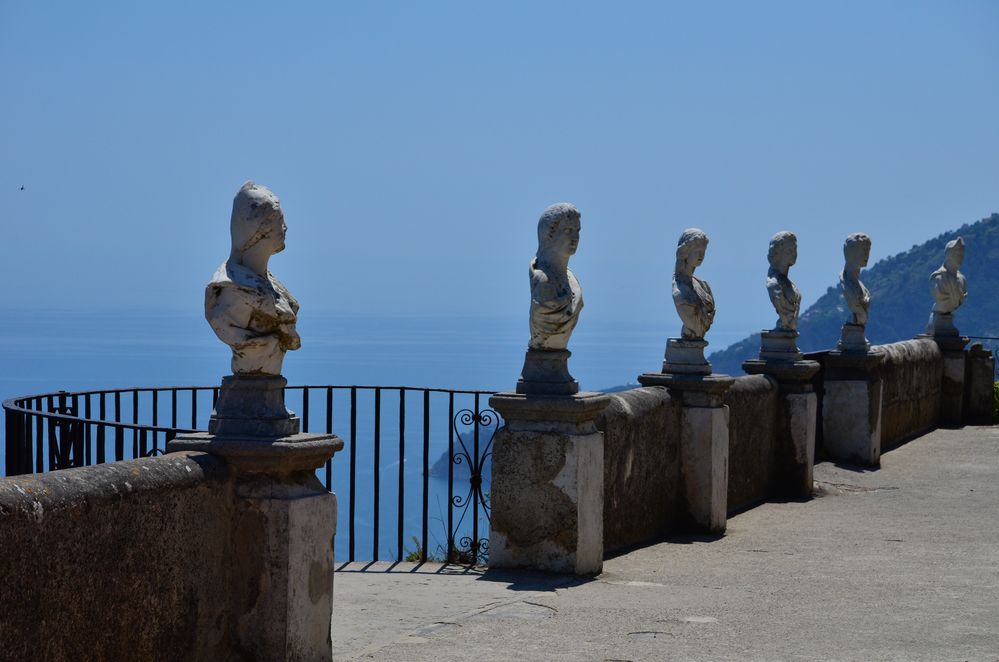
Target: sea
x,y
73,350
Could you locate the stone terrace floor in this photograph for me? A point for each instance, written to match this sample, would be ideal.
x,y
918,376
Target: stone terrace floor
x,y
896,564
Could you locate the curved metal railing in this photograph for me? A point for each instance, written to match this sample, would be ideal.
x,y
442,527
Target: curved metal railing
x,y
52,431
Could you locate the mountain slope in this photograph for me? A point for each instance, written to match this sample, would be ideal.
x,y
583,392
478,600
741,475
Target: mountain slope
x,y
900,298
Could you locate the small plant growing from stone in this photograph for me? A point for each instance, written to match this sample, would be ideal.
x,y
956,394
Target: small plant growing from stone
x,y
415,556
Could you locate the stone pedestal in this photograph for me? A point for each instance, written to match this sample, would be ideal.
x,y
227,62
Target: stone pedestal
x,y
703,444
547,483
287,520
252,406
797,422
954,359
979,378
686,357
546,372
941,324
853,339
851,407
779,346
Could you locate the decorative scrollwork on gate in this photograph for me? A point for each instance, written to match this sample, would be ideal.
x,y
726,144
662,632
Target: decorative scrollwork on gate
x,y
471,548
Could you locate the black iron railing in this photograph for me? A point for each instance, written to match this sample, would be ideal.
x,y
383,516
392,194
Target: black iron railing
x,y
449,522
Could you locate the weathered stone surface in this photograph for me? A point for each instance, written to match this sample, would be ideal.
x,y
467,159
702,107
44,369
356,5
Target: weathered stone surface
x,y
979,376
779,345
752,442
691,389
642,495
686,357
704,466
546,372
851,421
279,457
168,558
797,420
547,483
952,389
253,406
124,561
573,414
291,615
911,374
546,495
248,308
793,374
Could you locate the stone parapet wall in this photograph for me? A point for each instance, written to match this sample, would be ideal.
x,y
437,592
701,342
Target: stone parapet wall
x,y
912,377
752,442
136,560
642,488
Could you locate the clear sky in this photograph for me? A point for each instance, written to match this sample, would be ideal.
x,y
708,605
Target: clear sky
x,y
414,144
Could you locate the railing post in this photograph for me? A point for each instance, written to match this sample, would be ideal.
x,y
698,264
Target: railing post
x,y
12,450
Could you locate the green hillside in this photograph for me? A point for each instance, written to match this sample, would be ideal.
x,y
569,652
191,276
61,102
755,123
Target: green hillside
x,y
900,298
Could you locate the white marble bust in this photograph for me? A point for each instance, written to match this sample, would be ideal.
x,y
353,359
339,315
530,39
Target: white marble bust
x,y
247,307
857,252
947,284
556,297
784,294
692,296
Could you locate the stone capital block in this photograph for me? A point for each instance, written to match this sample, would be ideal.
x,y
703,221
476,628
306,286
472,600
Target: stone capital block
x,y
851,407
952,389
703,444
797,423
797,440
547,484
704,466
979,376
288,531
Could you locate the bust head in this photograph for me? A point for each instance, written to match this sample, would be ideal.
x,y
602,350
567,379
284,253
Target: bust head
x,y
558,231
783,252
257,221
954,254
690,250
857,250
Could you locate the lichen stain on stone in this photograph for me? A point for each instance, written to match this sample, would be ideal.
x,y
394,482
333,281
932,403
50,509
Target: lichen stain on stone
x,y
320,581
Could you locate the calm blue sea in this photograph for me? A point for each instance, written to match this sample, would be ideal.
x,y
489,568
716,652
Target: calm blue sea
x,y
60,350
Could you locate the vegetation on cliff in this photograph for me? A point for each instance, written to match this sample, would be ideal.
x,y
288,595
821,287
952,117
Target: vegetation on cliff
x,y
900,298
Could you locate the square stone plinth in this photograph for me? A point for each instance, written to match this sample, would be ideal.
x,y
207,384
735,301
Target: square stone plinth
x,y
851,407
547,484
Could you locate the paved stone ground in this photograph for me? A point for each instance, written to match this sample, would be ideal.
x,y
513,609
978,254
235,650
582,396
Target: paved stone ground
x,y
896,564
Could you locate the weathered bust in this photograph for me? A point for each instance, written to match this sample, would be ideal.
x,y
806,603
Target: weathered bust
x,y
692,296
947,284
556,297
784,294
247,307
857,252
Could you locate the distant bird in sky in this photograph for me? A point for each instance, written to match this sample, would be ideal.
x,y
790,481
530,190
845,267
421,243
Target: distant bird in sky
x,y
22,187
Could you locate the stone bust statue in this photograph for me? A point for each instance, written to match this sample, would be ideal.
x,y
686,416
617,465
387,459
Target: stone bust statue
x,y
949,290
556,297
247,307
784,294
692,296
947,284
857,252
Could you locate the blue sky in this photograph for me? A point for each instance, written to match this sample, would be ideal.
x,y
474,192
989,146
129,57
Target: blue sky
x,y
414,145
